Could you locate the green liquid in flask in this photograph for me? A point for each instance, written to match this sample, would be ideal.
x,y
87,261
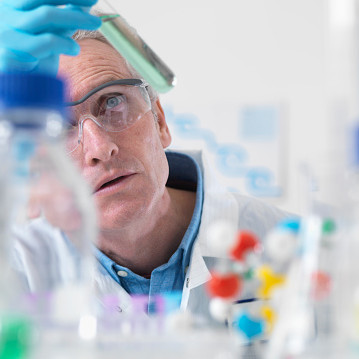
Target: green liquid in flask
x,y
127,42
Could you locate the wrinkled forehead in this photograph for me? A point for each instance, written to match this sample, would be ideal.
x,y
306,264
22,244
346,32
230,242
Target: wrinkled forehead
x,y
96,64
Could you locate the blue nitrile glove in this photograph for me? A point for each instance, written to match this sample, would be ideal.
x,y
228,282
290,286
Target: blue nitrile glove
x,y
33,33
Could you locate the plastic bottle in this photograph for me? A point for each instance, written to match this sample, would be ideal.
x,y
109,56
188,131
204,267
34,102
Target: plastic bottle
x,y
346,298
50,255
16,328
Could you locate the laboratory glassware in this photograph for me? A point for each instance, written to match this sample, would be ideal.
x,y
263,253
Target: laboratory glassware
x,y
136,51
42,182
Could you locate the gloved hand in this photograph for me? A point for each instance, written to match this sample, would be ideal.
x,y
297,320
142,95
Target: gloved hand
x,y
33,33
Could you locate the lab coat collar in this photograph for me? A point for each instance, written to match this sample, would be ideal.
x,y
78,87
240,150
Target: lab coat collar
x,y
218,204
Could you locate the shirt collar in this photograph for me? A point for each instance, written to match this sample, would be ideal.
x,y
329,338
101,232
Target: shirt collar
x,y
185,173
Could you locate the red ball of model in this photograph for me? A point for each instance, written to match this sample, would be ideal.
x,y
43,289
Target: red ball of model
x,y
321,285
224,285
245,242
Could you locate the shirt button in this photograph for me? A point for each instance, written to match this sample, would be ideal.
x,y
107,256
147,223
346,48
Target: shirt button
x,y
122,273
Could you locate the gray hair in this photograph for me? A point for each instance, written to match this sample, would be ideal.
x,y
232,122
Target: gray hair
x,y
97,35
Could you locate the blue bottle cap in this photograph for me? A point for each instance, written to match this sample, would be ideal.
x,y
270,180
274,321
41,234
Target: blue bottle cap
x,y
28,90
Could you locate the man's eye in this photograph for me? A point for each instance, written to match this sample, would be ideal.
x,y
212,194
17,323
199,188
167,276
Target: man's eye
x,y
113,102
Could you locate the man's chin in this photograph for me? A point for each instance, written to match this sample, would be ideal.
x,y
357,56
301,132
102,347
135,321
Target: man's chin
x,y
125,212
120,221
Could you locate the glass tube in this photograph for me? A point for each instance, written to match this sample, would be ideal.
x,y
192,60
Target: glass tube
x,y
130,45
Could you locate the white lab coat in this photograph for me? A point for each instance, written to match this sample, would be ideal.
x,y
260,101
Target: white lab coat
x,y
218,203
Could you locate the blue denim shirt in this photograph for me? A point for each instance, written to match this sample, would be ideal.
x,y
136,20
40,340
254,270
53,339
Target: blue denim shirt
x,y
184,173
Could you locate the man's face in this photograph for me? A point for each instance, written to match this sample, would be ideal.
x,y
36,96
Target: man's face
x,y
127,170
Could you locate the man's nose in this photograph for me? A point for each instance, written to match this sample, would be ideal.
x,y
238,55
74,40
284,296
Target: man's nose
x,y
98,144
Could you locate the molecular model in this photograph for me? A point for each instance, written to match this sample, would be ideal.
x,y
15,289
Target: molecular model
x,y
245,282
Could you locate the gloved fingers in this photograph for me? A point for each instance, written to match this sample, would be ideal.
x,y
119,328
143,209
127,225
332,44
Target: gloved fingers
x,y
32,4
49,65
16,61
49,19
39,46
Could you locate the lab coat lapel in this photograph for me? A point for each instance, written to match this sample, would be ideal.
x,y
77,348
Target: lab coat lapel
x,y
218,204
105,285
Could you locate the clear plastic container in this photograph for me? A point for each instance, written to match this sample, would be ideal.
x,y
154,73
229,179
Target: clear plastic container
x,y
48,219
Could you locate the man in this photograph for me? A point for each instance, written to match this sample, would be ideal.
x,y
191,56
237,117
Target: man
x,y
154,207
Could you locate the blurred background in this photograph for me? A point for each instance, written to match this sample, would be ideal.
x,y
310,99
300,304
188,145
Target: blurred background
x,y
262,84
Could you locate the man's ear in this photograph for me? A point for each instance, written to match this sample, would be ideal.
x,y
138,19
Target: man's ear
x,y
163,129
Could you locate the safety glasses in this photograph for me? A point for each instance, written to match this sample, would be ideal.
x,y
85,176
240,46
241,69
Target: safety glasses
x,y
113,106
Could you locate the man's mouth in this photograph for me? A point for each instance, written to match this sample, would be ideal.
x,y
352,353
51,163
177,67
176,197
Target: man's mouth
x,y
112,184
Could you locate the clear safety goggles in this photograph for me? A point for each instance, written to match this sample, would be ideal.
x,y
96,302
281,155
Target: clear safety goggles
x,y
113,106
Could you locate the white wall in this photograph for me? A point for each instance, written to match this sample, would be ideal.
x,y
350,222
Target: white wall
x,y
269,55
